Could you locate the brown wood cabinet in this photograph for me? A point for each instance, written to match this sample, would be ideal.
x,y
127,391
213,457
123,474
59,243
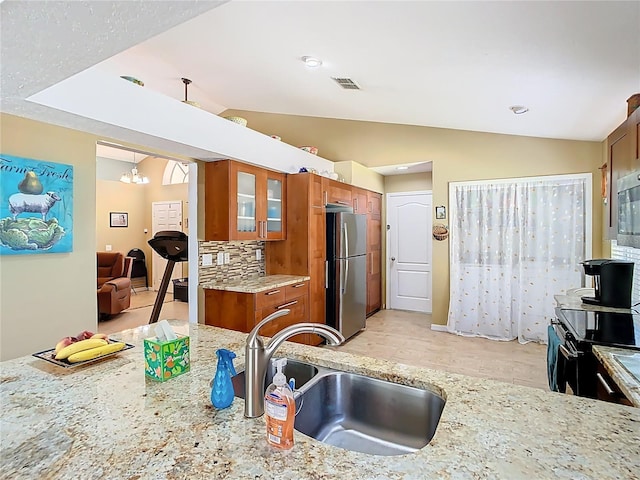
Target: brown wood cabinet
x,y
633,132
618,165
359,200
608,390
304,250
337,192
374,252
244,202
242,311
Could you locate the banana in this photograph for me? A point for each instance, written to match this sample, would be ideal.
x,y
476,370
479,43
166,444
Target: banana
x,y
96,352
76,347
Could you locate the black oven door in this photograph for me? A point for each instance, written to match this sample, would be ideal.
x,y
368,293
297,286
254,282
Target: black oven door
x,y
576,364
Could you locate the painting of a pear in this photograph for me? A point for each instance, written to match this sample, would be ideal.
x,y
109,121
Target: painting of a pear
x,y
31,184
36,206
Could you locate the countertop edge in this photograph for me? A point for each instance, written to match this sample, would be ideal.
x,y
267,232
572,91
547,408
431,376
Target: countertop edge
x,y
256,285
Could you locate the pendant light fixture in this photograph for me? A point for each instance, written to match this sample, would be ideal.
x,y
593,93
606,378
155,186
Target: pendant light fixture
x,y
134,176
186,82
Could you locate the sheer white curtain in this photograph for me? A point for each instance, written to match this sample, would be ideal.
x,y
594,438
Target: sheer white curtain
x,y
514,244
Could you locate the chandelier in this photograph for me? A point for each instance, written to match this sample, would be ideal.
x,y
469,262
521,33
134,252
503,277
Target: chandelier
x,y
134,177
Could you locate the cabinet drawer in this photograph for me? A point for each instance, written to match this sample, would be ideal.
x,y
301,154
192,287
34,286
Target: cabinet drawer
x,y
297,307
296,290
298,314
608,390
267,298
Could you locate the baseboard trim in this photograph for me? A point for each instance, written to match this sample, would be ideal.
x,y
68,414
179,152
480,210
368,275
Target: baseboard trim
x,y
439,328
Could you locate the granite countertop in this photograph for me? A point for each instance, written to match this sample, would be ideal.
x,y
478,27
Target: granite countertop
x,y
629,384
256,284
575,303
107,421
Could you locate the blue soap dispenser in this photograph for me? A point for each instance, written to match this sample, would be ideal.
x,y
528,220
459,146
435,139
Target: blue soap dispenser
x,y
222,388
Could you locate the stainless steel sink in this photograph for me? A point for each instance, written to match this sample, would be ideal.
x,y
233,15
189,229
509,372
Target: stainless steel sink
x,y
356,412
302,372
367,415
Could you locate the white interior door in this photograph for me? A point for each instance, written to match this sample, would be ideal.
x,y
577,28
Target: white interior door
x,y
409,251
166,216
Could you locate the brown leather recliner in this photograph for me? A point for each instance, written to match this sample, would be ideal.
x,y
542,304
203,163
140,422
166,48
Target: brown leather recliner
x,y
114,282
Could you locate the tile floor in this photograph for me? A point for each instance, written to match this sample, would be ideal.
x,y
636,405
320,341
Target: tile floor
x,y
398,336
406,337
140,312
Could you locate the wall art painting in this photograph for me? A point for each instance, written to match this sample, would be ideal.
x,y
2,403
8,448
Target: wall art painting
x,y
36,206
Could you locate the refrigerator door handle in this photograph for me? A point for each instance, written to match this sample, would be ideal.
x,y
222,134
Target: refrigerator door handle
x,y
346,240
326,274
346,276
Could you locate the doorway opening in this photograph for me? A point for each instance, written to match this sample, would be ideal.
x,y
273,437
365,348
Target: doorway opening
x,y
166,184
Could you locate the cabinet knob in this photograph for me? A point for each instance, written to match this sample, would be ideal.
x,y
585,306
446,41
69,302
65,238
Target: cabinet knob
x,y
393,259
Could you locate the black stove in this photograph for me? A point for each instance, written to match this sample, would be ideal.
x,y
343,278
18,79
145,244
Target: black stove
x,y
613,329
578,331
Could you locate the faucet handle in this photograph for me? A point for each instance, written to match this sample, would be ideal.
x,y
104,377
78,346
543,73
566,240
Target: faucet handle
x,y
253,335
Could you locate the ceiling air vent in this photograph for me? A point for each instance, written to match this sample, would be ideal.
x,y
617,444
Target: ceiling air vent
x,y
347,83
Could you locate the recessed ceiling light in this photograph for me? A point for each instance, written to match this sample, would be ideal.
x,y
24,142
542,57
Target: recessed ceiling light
x,y
311,61
402,168
518,109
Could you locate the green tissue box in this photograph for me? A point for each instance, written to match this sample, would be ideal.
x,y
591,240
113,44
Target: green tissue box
x,y
165,360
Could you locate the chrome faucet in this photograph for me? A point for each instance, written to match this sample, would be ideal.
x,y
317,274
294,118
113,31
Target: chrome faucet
x,y
257,357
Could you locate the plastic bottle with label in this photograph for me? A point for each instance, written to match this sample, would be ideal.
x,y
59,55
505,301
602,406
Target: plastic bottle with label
x,y
280,410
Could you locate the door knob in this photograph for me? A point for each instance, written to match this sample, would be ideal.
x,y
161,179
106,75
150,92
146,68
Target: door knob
x,y
393,259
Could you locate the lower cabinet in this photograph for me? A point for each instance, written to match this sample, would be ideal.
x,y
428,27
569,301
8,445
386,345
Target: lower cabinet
x,y
242,311
607,389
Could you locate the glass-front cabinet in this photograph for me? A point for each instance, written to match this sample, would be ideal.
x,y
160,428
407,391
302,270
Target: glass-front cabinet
x,y
246,218
243,202
274,223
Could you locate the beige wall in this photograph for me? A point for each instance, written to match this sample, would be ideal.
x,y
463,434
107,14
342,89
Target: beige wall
x,y
457,155
45,297
120,197
360,176
411,182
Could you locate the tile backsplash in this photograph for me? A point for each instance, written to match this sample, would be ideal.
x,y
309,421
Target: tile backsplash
x,y
242,260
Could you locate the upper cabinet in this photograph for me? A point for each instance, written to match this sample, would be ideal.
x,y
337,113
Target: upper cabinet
x,y
243,202
618,165
359,200
374,205
336,192
623,157
633,132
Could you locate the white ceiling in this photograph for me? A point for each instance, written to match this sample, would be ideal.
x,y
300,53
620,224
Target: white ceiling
x,y
456,65
445,64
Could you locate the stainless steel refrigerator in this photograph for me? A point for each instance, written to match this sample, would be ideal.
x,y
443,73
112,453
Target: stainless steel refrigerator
x,y
346,285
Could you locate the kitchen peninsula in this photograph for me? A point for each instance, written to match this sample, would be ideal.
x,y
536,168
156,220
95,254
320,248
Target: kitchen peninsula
x,y
107,421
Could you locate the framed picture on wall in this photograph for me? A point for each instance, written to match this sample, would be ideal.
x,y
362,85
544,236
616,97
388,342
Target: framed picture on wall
x,y
36,206
441,212
118,219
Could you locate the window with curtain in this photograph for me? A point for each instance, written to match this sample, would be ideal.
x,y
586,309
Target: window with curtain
x,y
514,244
